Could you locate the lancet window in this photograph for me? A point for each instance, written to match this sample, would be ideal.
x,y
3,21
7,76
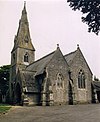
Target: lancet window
x,y
81,79
26,58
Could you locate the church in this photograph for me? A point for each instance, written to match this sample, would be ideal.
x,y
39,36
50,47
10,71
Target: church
x,y
54,79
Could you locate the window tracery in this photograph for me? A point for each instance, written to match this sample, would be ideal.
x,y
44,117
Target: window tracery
x,y
81,79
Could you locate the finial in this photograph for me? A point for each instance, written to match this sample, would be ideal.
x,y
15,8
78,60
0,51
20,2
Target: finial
x,y
77,45
57,45
24,3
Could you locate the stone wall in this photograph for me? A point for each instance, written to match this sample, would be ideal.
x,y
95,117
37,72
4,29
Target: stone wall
x,y
58,75
79,63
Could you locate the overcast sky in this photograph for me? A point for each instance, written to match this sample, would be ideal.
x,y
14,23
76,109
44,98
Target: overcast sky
x,y
51,22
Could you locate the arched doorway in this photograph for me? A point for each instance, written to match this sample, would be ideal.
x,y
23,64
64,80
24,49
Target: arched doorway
x,y
70,94
18,94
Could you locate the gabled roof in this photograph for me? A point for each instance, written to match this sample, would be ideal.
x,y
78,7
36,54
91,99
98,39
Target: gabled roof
x,y
30,83
39,65
69,57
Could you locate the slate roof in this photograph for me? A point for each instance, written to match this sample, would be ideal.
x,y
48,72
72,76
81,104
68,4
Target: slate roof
x,y
29,82
39,65
34,69
69,57
96,85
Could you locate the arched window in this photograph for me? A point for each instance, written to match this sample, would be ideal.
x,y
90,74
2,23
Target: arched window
x,y
26,58
81,79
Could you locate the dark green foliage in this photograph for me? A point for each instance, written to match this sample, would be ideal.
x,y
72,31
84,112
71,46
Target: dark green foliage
x,y
91,11
4,79
4,108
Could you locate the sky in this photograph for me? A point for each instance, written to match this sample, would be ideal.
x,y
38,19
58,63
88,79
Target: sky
x,y
51,22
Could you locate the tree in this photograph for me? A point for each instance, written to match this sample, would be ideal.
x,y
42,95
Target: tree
x,y
4,79
91,12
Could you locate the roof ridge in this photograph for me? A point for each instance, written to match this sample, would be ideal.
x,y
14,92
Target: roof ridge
x,y
41,58
70,53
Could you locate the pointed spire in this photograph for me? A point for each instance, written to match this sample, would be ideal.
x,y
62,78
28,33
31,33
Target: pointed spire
x,y
24,15
23,33
24,9
23,21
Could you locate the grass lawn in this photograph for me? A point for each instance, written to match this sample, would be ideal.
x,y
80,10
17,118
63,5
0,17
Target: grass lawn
x,y
4,108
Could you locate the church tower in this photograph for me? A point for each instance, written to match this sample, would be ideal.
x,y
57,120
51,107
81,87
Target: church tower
x,y
23,52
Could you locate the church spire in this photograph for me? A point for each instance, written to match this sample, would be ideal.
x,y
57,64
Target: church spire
x,y
24,19
22,43
23,22
23,33
24,9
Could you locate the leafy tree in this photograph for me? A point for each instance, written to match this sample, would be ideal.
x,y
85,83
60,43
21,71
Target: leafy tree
x,y
91,12
4,78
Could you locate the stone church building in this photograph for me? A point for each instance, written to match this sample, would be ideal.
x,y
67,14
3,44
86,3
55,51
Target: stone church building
x,y
55,79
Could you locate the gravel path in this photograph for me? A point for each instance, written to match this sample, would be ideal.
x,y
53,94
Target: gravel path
x,y
68,113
